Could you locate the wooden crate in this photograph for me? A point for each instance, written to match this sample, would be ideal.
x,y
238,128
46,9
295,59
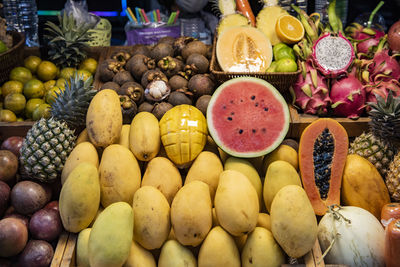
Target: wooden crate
x,y
60,248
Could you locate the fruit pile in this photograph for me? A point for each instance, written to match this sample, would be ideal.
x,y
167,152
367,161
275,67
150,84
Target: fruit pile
x,y
173,72
30,223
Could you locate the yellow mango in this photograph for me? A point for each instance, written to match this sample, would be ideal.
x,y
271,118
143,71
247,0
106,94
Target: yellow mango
x,y
279,174
236,203
119,175
152,217
264,220
144,136
293,221
104,118
215,221
191,214
97,215
240,241
206,168
111,236
82,258
363,186
139,257
261,250
82,137
163,175
245,167
83,152
218,249
173,254
282,152
124,137
80,197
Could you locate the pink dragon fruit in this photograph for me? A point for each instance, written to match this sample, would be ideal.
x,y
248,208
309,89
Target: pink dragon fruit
x,y
310,92
348,97
332,54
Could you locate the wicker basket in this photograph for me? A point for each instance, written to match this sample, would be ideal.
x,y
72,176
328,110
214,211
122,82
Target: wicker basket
x,y
12,57
281,80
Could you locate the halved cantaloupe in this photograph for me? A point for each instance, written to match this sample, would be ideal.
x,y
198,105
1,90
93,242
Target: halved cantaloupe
x,y
243,49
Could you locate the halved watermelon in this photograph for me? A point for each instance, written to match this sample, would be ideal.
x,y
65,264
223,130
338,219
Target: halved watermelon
x,y
247,117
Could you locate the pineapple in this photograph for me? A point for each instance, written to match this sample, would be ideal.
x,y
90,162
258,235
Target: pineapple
x,y
67,42
380,145
393,178
49,142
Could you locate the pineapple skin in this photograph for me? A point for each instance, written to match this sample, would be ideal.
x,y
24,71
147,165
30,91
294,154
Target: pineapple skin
x,y
393,178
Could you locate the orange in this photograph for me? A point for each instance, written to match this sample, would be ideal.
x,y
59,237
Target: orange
x,y
89,64
12,87
31,105
32,63
7,115
15,102
49,84
85,74
21,74
47,71
289,29
41,111
67,73
51,95
34,89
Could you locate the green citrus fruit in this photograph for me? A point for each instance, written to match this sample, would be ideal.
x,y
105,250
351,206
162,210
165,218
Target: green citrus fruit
x,y
47,71
49,84
15,102
89,64
11,87
272,67
3,47
7,116
286,65
67,73
31,105
32,63
61,82
284,53
21,74
34,89
86,74
41,111
279,46
51,95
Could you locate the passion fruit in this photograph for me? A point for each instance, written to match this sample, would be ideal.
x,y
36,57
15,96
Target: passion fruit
x,y
47,71
41,111
32,63
8,165
7,116
34,89
15,102
21,74
12,87
31,105
89,64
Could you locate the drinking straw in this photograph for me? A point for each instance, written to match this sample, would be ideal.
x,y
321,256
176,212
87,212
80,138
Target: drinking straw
x,y
176,17
144,16
130,13
171,18
158,15
155,16
129,17
141,15
138,14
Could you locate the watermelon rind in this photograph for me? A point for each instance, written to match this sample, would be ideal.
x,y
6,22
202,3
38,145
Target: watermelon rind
x,y
249,154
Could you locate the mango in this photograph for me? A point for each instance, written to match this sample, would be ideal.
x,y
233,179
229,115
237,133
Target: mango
x,y
82,137
144,136
279,174
236,203
218,249
104,118
80,197
293,221
264,220
163,175
139,257
282,152
261,250
100,210
124,137
173,254
363,186
215,221
191,214
152,217
111,236
83,152
119,175
240,241
206,168
246,168
82,258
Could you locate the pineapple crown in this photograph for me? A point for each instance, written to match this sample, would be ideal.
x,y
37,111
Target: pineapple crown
x,y
385,118
71,105
67,42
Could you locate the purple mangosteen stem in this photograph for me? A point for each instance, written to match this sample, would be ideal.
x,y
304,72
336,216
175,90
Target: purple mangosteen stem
x,y
371,17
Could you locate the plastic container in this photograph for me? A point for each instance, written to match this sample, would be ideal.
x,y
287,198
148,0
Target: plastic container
x,y
196,28
21,16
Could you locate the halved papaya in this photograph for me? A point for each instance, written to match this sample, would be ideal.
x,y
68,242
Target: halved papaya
x,y
322,155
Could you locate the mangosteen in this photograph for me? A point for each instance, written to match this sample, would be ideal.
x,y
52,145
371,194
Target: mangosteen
x,y
140,49
195,47
160,109
152,75
128,108
123,77
134,90
170,66
146,106
202,103
198,63
167,39
110,85
177,82
161,50
180,43
179,98
201,84
121,56
157,90
139,64
108,68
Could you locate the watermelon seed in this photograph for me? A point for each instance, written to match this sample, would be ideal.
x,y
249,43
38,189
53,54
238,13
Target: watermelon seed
x,y
241,100
253,130
232,113
229,118
264,130
224,107
265,109
256,104
240,131
253,97
231,101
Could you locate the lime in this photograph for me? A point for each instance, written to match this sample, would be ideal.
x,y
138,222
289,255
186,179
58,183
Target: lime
x,y
286,65
285,52
31,105
49,84
51,95
3,47
15,102
12,87
34,89
67,73
7,116
47,71
278,46
272,67
86,74
89,64
41,111
32,63
21,74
